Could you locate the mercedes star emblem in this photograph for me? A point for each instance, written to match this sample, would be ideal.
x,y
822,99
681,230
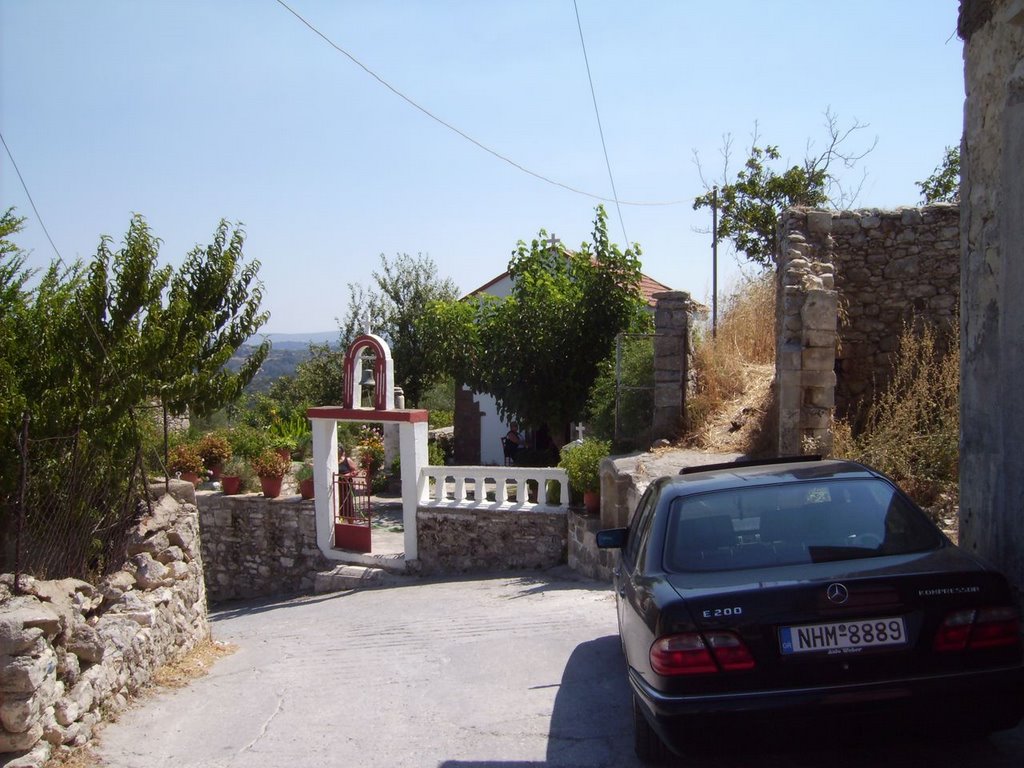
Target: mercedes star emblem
x,y
837,593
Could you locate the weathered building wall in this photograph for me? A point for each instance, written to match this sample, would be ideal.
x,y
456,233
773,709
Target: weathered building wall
x,y
257,547
848,281
453,540
992,284
72,652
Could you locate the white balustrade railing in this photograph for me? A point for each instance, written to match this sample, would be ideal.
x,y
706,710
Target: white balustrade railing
x,y
493,487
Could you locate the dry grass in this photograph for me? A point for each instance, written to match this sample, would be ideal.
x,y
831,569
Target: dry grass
x,y
179,673
912,430
733,370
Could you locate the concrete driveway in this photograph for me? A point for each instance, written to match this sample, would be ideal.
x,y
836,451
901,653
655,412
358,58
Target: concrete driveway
x,y
517,671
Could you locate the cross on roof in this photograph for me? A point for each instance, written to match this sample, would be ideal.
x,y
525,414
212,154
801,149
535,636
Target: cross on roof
x,y
552,242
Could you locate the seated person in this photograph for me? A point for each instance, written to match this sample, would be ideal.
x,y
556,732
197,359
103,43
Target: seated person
x,y
513,436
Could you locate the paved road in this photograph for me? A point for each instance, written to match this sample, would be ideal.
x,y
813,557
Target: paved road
x,y
518,671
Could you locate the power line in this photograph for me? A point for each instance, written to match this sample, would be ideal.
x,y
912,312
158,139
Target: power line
x,y
456,130
604,146
31,202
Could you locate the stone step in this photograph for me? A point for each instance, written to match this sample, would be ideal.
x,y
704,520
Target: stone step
x,y
345,577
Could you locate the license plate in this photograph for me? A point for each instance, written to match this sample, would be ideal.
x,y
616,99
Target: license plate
x,y
842,636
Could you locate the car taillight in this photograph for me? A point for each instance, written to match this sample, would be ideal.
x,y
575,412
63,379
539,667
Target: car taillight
x,y
694,653
980,628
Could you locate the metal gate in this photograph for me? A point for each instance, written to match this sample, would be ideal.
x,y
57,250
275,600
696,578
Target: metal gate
x,y
352,515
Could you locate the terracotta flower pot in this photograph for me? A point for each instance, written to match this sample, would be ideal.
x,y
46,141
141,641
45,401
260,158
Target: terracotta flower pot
x,y
230,484
215,471
592,502
271,486
306,488
192,477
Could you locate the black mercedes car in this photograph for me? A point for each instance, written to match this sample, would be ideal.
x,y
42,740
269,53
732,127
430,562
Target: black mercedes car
x,y
805,587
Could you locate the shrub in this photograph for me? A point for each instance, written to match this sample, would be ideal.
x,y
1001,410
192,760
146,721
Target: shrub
x,y
304,472
248,442
582,464
270,464
912,431
214,449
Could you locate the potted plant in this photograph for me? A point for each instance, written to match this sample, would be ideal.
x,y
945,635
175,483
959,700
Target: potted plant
x,y
371,451
184,461
270,467
582,464
304,477
284,445
231,479
214,449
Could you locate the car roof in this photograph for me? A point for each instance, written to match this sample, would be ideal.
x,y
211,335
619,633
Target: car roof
x,y
739,474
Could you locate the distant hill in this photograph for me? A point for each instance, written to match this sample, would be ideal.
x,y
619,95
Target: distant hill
x,y
286,352
297,340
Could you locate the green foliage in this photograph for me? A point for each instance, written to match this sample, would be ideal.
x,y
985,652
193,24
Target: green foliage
x,y
943,186
440,419
270,463
538,351
582,464
304,472
636,396
91,344
912,430
405,286
247,441
749,204
294,433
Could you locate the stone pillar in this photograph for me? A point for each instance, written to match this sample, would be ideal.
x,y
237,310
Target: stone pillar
x,y
806,315
992,282
671,365
413,439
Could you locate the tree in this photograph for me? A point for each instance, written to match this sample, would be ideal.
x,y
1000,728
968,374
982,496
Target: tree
x,y
404,287
749,204
93,342
86,351
538,351
943,186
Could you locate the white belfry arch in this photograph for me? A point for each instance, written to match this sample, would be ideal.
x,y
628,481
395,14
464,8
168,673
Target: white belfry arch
x,y
412,435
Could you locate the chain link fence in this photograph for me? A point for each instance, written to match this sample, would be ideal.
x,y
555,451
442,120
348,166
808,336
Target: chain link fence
x,y
72,507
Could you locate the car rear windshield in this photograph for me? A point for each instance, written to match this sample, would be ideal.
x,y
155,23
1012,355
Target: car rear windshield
x,y
793,523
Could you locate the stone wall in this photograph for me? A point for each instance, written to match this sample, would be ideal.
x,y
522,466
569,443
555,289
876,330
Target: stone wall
x,y
258,547
848,281
584,556
459,540
72,653
992,276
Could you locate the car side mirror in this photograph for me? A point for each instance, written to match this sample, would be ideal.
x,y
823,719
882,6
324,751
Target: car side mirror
x,y
613,538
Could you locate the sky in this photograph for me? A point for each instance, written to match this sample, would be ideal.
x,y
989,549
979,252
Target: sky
x,y
193,111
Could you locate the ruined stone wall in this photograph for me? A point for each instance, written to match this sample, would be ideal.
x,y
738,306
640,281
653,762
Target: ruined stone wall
x,y
72,653
257,547
992,275
848,281
462,540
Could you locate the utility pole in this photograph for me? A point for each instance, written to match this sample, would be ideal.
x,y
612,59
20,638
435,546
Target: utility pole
x,y
714,262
